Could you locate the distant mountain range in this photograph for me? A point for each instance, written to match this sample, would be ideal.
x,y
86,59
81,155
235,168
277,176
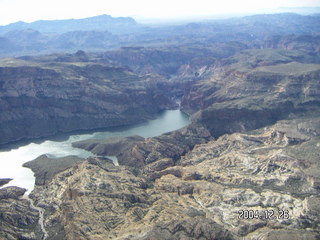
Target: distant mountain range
x,y
98,23
104,32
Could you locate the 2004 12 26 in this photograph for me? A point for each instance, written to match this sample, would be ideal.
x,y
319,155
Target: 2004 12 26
x,y
263,214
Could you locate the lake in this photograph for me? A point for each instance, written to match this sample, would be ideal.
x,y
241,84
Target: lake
x,y
11,160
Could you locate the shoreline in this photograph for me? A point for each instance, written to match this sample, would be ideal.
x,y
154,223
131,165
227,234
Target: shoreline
x,y
63,136
54,148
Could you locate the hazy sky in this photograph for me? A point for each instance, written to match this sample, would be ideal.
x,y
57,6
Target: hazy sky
x,y
31,10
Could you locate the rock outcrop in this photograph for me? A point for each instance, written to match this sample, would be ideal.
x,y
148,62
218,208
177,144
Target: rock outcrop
x,y
170,145
11,192
46,168
110,147
18,219
4,181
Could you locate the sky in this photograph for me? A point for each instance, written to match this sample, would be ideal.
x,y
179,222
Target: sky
x,y
32,10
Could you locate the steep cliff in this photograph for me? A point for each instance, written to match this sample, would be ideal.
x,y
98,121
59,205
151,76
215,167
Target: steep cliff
x,y
253,89
43,99
18,218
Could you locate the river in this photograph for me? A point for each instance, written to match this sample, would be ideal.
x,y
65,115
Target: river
x,y
12,158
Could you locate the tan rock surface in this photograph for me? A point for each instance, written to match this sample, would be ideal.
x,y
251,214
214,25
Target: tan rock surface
x,y
91,202
18,219
207,194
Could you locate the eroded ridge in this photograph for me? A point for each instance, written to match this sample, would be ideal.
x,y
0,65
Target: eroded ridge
x,y
200,195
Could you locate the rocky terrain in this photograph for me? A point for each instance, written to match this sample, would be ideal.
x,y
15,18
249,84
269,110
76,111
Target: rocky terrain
x,y
129,85
247,167
252,89
4,181
41,99
18,219
198,196
46,168
110,147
